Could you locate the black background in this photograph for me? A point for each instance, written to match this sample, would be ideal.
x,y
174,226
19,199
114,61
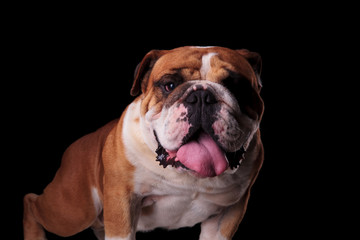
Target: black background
x,y
69,71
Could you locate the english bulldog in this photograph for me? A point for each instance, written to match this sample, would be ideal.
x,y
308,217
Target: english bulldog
x,y
187,150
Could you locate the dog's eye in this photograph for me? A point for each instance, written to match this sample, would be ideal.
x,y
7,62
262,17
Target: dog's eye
x,y
169,87
169,82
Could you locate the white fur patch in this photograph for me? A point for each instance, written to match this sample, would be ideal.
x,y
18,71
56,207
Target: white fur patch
x,y
205,67
117,238
96,199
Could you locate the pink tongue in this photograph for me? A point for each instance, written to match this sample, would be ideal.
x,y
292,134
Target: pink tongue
x,y
203,156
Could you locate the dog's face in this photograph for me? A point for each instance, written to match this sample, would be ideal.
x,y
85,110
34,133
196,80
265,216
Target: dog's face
x,y
200,106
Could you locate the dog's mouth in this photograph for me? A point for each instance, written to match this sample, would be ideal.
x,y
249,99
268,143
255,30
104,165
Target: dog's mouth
x,y
201,155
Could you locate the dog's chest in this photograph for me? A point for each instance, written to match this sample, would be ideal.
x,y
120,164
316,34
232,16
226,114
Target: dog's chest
x,y
174,211
171,207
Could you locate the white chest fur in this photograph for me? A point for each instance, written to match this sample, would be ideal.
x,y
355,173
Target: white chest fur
x,y
174,211
171,205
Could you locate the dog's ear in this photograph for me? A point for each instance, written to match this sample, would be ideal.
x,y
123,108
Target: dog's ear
x,y
253,58
252,103
255,61
143,70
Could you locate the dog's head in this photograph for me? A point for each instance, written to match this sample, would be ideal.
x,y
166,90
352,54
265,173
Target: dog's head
x,y
200,107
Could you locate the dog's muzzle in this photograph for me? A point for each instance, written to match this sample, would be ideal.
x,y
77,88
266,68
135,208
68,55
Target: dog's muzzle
x,y
200,151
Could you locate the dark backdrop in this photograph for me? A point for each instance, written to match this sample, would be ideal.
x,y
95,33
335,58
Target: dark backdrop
x,y
71,73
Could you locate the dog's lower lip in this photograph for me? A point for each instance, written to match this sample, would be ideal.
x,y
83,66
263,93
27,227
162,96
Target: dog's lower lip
x,y
235,159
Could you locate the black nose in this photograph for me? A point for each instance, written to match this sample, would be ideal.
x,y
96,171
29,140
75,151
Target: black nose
x,y
201,98
202,107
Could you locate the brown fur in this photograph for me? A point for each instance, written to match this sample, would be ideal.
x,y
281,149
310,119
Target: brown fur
x,y
117,187
65,208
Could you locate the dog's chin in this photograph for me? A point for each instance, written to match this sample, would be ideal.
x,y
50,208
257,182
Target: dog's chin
x,y
199,155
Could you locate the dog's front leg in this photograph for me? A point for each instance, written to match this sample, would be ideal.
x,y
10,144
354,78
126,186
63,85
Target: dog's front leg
x,y
121,213
121,207
224,225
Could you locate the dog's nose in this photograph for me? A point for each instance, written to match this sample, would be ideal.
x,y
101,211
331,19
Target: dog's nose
x,y
202,107
201,97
